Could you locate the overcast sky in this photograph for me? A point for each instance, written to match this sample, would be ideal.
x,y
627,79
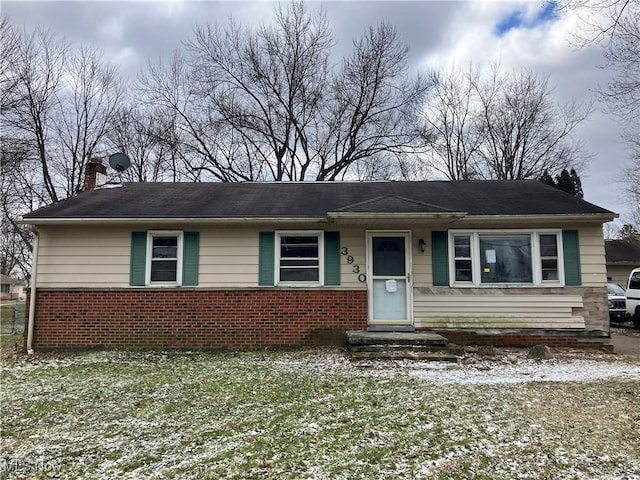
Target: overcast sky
x,y
528,34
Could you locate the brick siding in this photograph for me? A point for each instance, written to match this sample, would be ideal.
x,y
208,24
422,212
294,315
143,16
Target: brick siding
x,y
199,319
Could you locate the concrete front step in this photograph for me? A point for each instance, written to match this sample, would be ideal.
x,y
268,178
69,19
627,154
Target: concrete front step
x,y
359,337
377,345
402,352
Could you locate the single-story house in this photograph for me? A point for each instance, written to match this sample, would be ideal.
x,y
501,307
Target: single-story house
x,y
622,256
12,288
241,265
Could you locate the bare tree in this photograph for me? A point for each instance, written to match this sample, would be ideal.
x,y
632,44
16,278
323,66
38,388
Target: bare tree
x,y
500,125
525,132
452,122
615,26
265,104
266,85
57,104
193,130
631,180
35,73
9,45
373,115
623,55
149,141
88,98
621,45
61,102
18,193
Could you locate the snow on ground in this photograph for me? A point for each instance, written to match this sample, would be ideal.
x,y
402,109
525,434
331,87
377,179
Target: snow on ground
x,y
525,371
507,366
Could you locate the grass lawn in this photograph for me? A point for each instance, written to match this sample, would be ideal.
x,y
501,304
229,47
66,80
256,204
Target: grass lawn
x,y
10,343
310,415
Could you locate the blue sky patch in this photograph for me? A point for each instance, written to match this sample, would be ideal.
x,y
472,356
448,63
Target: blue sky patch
x,y
518,19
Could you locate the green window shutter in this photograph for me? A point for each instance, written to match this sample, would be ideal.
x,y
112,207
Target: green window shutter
x,y
440,258
332,258
266,259
190,255
571,251
138,265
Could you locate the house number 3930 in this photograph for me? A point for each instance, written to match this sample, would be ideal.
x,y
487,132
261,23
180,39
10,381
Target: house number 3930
x,y
355,268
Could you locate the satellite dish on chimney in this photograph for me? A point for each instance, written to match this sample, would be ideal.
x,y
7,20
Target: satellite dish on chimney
x,y
119,162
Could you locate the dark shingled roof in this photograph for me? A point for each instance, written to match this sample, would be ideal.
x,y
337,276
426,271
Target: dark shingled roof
x,y
7,280
622,251
315,199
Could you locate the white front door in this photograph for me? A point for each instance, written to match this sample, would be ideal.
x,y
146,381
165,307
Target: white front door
x,y
389,278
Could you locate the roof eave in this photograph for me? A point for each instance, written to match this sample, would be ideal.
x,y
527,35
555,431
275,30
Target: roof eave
x,y
551,218
330,217
167,220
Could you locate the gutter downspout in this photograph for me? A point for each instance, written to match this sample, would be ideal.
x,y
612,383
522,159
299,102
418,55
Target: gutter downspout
x,y
32,294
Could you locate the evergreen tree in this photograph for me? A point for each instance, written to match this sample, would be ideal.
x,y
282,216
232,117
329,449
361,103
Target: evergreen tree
x,y
577,184
548,179
629,233
565,182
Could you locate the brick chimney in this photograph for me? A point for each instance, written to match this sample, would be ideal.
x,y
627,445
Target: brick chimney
x,y
95,174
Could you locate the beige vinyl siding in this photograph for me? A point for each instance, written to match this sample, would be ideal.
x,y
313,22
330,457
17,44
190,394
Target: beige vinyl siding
x,y
73,257
497,311
353,240
98,257
93,257
234,253
620,274
228,257
592,257
422,271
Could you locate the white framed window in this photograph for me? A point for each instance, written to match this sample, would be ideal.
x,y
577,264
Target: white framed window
x,y
299,258
164,258
549,257
463,265
505,258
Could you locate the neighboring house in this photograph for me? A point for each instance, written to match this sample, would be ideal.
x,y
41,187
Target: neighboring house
x,y
622,257
210,265
12,289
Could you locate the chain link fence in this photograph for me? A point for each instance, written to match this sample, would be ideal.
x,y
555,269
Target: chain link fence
x,y
11,317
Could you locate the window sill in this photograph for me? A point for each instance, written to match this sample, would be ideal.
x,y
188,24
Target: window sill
x,y
507,285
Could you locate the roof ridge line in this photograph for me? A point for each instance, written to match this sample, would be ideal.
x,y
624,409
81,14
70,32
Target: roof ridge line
x,y
392,195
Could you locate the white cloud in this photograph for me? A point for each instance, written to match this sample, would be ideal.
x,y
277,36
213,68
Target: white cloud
x,y
111,30
472,37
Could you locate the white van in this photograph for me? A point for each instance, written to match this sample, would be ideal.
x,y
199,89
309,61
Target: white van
x,y
633,296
